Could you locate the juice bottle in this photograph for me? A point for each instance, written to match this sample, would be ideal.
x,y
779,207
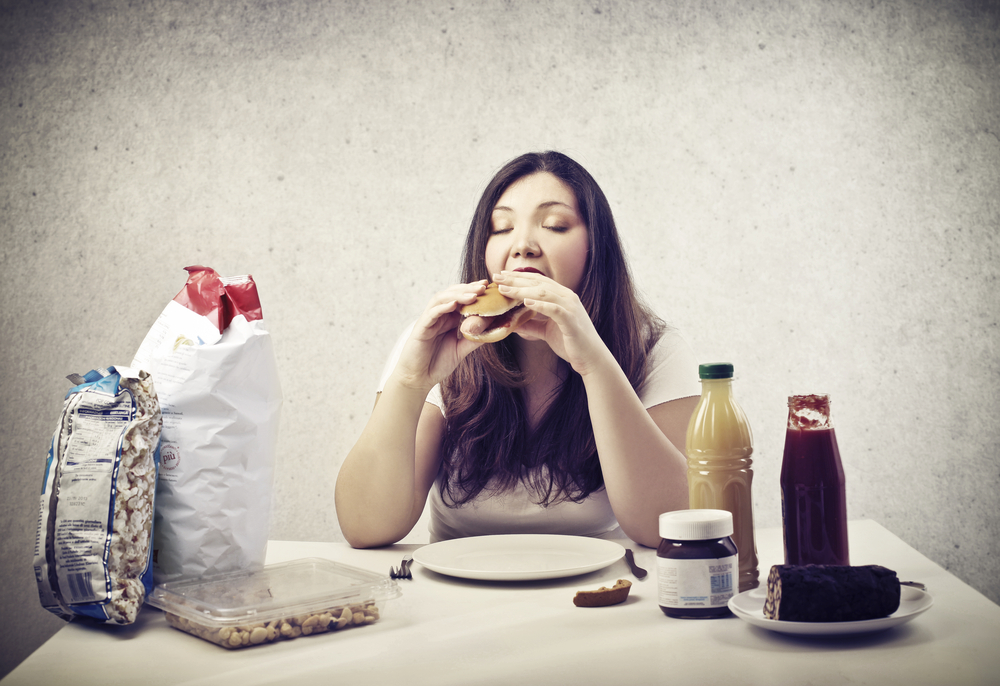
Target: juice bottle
x,y
813,498
719,446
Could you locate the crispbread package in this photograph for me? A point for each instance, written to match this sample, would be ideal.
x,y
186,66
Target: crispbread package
x,y
93,547
217,378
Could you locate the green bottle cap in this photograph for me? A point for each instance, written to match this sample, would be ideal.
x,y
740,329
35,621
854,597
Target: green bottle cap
x,y
715,370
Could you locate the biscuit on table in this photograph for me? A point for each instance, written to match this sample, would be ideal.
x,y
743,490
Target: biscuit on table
x,y
603,596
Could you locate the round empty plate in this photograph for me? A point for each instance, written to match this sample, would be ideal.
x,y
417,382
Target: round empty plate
x,y
518,557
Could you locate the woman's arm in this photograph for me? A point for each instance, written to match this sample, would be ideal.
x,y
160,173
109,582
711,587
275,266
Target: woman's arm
x,y
383,483
641,452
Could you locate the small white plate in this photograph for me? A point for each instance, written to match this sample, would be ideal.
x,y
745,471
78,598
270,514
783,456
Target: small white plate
x,y
519,557
749,606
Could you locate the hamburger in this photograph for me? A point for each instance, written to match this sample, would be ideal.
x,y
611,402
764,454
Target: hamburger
x,y
493,316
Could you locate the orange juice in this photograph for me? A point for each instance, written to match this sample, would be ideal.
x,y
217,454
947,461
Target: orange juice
x,y
719,449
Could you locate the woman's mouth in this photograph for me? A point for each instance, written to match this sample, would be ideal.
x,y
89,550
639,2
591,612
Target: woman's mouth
x,y
528,269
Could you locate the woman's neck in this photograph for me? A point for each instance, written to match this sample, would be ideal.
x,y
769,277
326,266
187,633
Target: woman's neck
x,y
536,360
543,372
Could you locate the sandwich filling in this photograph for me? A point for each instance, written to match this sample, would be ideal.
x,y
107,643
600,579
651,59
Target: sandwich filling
x,y
501,321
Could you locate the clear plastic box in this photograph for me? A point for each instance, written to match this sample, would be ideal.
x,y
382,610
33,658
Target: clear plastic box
x,y
279,602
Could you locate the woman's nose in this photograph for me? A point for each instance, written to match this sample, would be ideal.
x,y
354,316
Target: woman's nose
x,y
525,245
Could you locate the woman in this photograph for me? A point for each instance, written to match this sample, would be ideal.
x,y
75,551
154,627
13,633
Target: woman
x,y
574,424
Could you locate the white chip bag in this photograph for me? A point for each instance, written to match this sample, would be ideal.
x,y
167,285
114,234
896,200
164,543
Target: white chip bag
x,y
216,375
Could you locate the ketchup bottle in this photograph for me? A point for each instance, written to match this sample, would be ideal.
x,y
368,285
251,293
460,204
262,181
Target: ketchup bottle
x,y
813,498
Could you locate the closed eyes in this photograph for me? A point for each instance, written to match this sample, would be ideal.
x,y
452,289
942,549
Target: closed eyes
x,y
553,228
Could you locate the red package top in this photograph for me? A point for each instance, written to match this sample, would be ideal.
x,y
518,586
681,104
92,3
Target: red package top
x,y
218,299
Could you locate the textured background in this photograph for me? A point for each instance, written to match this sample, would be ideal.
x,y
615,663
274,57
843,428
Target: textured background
x,y
808,189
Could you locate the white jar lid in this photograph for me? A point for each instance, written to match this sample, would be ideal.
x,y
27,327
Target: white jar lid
x,y
696,525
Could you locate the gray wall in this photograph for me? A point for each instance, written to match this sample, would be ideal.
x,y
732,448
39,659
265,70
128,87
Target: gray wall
x,y
808,189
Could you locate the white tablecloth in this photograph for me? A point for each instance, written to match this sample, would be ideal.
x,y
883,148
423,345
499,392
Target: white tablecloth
x,y
450,631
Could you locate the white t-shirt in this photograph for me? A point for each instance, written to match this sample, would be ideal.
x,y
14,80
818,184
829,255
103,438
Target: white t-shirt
x,y
673,374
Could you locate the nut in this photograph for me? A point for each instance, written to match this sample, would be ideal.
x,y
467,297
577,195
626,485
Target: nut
x,y
330,619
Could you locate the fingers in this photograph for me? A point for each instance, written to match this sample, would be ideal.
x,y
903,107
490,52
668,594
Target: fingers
x,y
451,300
528,286
474,325
549,299
463,293
520,278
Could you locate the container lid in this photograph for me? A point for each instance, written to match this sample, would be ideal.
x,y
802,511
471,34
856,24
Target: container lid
x,y
696,525
715,370
273,592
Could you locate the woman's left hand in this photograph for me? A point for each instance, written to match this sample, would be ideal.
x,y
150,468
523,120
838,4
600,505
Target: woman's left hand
x,y
560,318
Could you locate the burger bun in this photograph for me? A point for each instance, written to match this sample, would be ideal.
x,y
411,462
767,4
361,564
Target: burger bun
x,y
493,316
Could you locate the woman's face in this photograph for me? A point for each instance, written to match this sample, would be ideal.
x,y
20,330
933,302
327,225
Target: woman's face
x,y
536,226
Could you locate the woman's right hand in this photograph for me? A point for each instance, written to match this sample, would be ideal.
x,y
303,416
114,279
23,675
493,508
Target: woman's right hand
x,y
435,346
394,462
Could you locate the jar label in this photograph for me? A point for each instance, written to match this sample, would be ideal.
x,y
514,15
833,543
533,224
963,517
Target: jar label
x,y
696,583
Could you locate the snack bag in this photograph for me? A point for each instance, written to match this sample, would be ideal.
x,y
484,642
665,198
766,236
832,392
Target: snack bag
x,y
217,378
93,547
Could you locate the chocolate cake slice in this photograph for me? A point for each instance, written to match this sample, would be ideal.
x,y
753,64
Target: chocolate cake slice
x,y
830,593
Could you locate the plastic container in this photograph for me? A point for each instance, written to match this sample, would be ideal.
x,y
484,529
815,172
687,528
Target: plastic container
x,y
719,448
279,602
696,564
813,493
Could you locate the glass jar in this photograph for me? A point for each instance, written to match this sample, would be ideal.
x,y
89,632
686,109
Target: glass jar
x,y
697,564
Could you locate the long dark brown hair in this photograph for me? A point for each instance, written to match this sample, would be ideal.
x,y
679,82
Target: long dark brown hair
x,y
488,443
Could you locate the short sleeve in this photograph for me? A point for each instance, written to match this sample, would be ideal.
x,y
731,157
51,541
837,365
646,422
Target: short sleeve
x,y
673,371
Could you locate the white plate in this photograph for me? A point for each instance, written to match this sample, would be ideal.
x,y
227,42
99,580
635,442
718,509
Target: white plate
x,y
749,606
519,557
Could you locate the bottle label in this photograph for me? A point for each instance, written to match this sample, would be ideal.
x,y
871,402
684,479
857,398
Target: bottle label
x,y
696,583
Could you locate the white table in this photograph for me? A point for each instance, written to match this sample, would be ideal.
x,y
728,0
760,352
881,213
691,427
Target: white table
x,y
449,631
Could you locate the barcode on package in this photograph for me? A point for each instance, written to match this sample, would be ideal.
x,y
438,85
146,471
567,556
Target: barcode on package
x,y
80,588
722,583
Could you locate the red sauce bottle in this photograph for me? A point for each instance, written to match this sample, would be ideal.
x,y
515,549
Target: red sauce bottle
x,y
813,497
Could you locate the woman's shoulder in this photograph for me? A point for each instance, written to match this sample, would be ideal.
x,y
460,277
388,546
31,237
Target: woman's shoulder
x,y
672,369
671,341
